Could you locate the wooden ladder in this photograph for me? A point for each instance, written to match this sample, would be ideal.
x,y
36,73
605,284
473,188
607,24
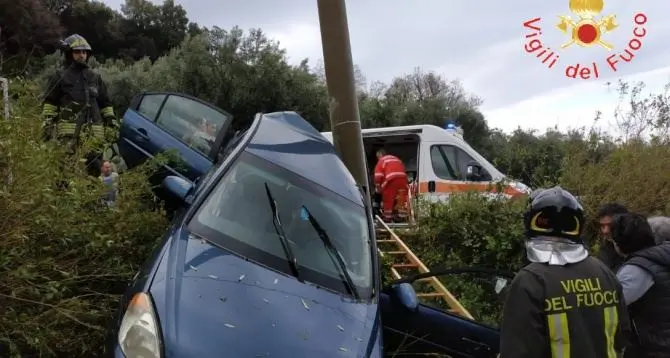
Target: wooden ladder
x,y
406,263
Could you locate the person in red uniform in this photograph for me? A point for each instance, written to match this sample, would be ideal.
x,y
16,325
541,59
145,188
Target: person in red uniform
x,y
391,182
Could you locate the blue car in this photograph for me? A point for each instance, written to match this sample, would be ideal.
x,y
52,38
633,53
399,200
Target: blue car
x,y
273,254
157,122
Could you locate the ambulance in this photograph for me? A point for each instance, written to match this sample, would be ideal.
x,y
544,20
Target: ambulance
x,y
438,161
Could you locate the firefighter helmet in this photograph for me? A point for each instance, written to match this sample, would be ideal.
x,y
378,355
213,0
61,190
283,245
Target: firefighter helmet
x,y
554,212
76,42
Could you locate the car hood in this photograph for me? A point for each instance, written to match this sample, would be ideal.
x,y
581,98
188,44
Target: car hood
x,y
212,303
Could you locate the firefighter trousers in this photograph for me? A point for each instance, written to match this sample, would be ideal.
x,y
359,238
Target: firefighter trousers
x,y
394,196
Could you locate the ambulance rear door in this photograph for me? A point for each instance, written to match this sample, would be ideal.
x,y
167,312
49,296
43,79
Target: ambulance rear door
x,y
404,143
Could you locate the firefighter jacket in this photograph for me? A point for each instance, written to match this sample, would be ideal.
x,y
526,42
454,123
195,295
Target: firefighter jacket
x,y
388,167
576,310
76,103
651,313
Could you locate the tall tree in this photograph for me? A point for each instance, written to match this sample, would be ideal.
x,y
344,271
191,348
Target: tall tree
x,y
422,98
172,26
97,22
57,6
152,30
28,27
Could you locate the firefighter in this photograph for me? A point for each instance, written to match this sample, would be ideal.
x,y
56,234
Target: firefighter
x,y
391,182
565,303
77,109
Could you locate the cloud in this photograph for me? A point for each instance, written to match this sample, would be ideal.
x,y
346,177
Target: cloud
x,y
299,39
574,106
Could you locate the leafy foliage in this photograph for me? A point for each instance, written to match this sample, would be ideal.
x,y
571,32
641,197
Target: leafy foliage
x,y
33,27
65,258
474,231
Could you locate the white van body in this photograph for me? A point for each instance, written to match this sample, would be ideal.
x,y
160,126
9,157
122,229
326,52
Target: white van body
x,y
436,160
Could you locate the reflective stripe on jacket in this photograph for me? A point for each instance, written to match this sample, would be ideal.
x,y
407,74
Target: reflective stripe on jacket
x,y
389,167
68,129
49,111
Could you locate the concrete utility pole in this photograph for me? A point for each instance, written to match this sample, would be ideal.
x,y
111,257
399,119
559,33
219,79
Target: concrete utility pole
x,y
344,117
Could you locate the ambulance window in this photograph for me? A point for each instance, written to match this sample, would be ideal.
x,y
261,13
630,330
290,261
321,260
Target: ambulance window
x,y
462,160
449,162
441,162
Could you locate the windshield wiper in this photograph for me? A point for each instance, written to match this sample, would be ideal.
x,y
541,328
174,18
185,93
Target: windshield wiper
x,y
334,254
290,257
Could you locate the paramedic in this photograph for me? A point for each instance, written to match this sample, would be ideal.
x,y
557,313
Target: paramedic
x,y
391,182
645,278
565,303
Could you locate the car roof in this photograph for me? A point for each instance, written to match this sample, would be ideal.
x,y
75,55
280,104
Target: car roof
x,y
288,140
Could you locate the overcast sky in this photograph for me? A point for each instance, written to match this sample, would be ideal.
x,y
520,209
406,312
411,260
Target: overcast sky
x,y
481,45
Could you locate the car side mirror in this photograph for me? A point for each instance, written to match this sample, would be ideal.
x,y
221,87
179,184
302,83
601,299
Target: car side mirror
x,y
501,288
473,171
501,283
405,294
178,187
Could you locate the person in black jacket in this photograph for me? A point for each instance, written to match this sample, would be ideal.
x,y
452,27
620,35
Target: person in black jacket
x,y
645,277
565,303
77,108
606,253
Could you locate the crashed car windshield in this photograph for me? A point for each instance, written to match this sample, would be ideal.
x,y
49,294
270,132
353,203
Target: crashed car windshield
x,y
237,216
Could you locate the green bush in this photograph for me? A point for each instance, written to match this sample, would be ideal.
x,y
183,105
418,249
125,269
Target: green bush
x,y
635,174
65,259
471,230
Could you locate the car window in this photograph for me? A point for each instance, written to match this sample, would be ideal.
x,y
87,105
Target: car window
x,y
449,162
462,161
441,165
150,105
194,123
238,217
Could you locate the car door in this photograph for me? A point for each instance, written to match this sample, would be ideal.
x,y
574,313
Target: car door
x,y
431,331
163,121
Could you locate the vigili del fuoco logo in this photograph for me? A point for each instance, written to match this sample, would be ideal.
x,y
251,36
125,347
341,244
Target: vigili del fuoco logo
x,y
587,27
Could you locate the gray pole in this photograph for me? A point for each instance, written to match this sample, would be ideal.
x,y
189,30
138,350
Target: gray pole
x,y
344,118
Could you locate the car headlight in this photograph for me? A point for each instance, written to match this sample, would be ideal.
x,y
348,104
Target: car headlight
x,y
139,335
